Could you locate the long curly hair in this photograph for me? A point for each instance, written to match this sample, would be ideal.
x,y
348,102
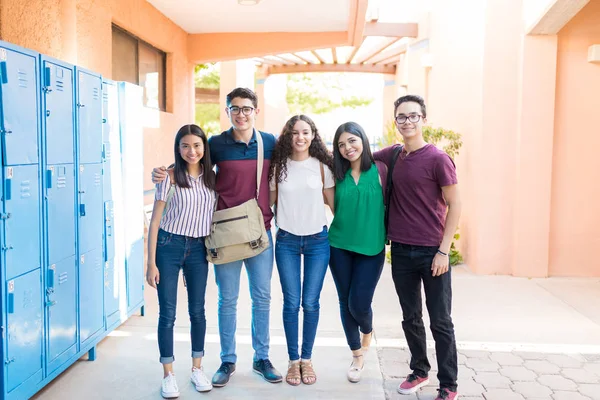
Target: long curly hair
x,y
284,149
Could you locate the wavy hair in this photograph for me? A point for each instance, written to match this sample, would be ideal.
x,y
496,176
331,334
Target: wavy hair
x,y
180,166
284,148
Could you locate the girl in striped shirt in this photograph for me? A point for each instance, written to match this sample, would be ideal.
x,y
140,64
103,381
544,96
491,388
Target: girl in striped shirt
x,y
176,241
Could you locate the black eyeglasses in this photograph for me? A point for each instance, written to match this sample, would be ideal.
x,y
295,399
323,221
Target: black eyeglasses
x,y
245,110
414,118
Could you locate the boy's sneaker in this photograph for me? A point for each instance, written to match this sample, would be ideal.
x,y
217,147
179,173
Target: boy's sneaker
x,y
200,380
412,383
265,369
446,394
221,377
169,389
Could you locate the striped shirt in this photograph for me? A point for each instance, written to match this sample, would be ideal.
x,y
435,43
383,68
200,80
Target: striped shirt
x,y
190,210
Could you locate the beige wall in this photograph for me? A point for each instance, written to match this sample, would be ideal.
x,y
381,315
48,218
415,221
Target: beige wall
x,y
575,222
79,32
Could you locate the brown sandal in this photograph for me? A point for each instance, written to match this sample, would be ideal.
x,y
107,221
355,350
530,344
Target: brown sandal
x,y
293,376
308,372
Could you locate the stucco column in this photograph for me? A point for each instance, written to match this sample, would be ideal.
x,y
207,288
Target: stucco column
x,y
239,73
68,25
261,76
534,157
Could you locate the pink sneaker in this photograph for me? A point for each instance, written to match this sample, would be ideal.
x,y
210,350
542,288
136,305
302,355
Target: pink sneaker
x,y
446,394
412,383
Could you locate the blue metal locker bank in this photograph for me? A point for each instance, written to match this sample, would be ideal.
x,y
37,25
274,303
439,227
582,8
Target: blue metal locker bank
x,y
71,270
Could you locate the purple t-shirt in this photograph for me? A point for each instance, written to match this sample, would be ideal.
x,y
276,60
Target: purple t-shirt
x,y
417,206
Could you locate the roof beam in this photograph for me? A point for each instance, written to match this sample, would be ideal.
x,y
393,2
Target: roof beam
x,y
263,60
306,60
389,29
334,55
284,60
391,56
556,15
294,69
356,21
353,54
318,56
378,51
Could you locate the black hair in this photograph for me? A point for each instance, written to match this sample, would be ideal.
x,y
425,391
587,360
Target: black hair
x,y
411,98
340,164
180,168
243,93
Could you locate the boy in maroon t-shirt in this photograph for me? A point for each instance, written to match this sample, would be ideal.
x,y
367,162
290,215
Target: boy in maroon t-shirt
x,y
424,211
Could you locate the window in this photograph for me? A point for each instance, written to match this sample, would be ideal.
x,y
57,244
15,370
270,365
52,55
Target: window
x,y
135,61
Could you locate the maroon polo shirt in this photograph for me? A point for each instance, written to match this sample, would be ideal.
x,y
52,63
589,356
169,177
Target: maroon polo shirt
x,y
417,207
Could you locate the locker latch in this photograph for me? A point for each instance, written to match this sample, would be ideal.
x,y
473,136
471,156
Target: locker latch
x,y
5,248
4,215
5,132
9,360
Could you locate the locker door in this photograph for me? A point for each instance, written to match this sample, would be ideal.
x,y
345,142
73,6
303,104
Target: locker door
x,y
111,292
109,234
89,111
20,115
61,289
24,343
91,293
91,208
61,212
135,273
107,190
59,113
22,224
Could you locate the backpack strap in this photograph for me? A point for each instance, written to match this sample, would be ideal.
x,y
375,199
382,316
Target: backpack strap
x,y
390,184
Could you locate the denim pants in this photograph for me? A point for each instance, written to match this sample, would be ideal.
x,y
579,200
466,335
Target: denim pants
x,y
411,265
175,252
355,276
288,249
227,276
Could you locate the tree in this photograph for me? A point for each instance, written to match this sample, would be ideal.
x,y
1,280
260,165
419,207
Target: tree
x,y
207,114
320,94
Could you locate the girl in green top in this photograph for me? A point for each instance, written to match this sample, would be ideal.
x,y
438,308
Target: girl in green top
x,y
357,237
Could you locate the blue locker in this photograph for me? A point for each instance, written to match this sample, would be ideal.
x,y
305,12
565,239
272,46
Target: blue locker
x,y
89,116
135,274
19,95
22,244
60,197
91,294
111,293
61,302
107,177
91,207
58,111
109,231
23,359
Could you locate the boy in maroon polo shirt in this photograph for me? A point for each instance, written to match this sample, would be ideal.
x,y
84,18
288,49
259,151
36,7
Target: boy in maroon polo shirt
x,y
423,217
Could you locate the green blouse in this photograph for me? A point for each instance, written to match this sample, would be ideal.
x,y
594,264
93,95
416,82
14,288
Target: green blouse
x,y
358,224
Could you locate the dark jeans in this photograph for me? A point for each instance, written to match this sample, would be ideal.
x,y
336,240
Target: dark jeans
x,y
301,283
175,252
411,265
355,276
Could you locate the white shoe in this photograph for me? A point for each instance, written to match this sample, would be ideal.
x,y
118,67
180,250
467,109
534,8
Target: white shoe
x,y
354,373
169,389
200,380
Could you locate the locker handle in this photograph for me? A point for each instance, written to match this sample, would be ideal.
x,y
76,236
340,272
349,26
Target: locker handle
x,y
82,210
49,178
8,191
50,303
47,79
9,361
3,72
51,274
11,303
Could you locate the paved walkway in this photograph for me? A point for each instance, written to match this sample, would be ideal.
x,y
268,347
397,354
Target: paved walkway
x,y
518,339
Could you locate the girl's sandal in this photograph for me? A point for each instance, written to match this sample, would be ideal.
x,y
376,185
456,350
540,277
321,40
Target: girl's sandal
x,y
308,373
293,376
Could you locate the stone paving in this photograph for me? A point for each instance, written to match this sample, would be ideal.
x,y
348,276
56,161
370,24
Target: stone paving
x,y
494,375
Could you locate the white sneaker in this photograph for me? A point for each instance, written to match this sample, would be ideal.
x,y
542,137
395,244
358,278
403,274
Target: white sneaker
x,y
200,380
169,389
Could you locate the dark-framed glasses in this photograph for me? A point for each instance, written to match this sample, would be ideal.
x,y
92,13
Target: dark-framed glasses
x,y
245,110
414,118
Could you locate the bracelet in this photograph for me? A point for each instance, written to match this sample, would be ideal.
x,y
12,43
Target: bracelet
x,y
442,253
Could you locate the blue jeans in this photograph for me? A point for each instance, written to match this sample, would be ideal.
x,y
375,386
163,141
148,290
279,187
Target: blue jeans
x,y
288,249
227,276
175,252
355,276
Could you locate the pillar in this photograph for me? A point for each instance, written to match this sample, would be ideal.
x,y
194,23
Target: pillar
x,y
239,73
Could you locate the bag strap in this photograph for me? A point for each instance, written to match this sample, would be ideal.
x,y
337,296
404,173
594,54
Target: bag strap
x,y
390,184
259,159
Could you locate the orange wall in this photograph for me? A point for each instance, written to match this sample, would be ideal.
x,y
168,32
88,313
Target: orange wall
x,y
575,218
79,32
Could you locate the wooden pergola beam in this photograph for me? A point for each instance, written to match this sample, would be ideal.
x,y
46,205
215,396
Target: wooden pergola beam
x,y
369,68
285,60
353,54
389,29
378,51
306,60
334,55
389,57
318,56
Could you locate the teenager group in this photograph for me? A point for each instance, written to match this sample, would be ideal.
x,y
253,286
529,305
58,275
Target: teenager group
x,y
417,208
